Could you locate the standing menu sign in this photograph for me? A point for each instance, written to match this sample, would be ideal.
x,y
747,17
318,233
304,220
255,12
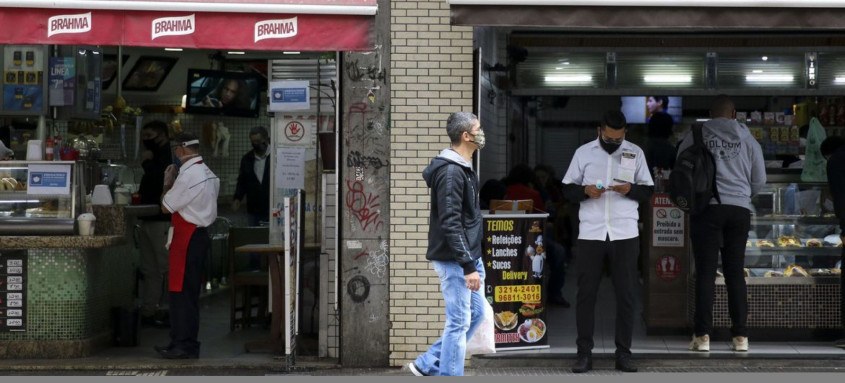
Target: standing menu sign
x,y
13,292
514,259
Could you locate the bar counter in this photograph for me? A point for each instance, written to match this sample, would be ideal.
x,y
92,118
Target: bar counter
x,y
71,285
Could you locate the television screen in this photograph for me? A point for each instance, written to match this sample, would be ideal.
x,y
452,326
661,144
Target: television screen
x,y
222,93
638,109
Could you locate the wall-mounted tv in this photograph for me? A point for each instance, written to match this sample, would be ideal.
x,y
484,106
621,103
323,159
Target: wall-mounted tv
x,y
638,109
223,93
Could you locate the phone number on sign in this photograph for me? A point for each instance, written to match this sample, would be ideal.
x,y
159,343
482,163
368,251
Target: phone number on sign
x,y
517,293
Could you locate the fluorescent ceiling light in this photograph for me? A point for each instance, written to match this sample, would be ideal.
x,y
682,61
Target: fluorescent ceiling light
x,y
668,78
839,80
290,53
236,53
702,119
558,68
757,71
769,78
570,78
765,58
173,49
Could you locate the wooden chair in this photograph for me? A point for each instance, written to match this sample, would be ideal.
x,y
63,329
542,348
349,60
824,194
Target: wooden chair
x,y
250,286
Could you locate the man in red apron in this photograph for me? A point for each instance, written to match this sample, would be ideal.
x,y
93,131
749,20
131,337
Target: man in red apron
x,y
191,198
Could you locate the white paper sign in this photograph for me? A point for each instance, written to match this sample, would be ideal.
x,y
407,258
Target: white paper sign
x,y
49,179
289,95
668,230
290,168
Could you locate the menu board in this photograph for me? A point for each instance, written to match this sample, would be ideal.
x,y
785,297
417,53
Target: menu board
x,y
515,261
13,292
23,78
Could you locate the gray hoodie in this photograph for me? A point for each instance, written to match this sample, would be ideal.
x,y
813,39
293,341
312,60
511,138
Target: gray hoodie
x,y
740,170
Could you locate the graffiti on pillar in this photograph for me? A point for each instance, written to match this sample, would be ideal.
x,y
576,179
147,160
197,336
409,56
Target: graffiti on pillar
x,y
367,128
364,206
358,288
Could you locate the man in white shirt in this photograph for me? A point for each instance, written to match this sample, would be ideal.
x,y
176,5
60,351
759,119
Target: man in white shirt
x,y
191,199
610,178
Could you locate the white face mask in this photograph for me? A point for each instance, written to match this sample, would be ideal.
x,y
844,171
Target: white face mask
x,y
478,139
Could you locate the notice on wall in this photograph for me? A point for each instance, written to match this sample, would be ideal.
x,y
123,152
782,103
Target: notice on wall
x,y
49,179
290,168
13,292
289,95
515,259
668,228
296,131
23,78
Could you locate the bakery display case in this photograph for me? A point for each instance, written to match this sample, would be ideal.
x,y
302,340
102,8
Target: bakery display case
x,y
38,197
792,260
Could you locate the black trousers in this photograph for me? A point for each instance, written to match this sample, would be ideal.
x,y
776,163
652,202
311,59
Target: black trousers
x,y
842,291
184,305
622,258
720,229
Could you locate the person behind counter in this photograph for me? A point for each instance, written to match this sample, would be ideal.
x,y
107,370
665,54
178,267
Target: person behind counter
x,y
191,198
153,229
609,177
6,154
254,178
833,150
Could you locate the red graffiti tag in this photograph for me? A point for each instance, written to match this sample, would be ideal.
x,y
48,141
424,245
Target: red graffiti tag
x,y
361,254
364,206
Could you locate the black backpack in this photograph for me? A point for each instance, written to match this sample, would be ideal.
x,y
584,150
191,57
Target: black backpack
x,y
692,182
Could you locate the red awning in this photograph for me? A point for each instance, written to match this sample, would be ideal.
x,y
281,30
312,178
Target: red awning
x,y
328,25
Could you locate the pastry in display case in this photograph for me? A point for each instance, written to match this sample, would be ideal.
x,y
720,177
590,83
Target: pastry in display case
x,y
38,197
794,233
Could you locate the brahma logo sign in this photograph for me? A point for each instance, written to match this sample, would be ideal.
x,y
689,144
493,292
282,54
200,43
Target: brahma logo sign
x,y
275,29
173,26
59,24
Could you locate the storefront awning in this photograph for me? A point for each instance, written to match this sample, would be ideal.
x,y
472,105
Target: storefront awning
x,y
312,25
653,15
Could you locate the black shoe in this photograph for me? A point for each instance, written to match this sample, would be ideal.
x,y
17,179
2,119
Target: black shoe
x,y
583,364
560,301
175,353
623,363
160,349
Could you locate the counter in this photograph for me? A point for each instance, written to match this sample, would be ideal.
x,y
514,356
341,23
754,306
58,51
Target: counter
x,y
71,285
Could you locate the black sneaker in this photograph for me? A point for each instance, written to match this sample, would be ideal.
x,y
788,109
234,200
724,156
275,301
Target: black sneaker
x,y
583,364
623,363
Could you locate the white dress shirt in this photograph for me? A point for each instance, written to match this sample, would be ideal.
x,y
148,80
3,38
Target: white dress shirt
x,y
194,193
612,215
258,167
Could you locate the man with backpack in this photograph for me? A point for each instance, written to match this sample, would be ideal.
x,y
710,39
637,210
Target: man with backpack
x,y
721,223
609,178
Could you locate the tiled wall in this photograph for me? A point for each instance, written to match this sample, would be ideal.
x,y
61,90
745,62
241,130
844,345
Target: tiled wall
x,y
431,77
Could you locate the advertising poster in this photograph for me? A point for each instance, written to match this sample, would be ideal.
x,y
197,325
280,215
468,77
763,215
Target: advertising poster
x,y
515,261
62,81
23,78
13,292
49,179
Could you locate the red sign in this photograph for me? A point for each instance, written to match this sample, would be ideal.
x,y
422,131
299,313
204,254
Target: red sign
x,y
668,268
207,30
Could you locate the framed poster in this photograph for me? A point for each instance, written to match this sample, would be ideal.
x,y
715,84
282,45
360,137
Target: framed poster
x,y
148,73
110,66
23,79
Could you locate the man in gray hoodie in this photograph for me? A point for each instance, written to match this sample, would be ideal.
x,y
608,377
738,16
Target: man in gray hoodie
x,y
454,245
740,174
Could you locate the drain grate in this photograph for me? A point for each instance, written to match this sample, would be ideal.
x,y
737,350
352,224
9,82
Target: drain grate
x,y
136,373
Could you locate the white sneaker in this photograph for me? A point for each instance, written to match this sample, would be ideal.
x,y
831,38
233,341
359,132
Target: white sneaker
x,y
414,370
739,343
700,343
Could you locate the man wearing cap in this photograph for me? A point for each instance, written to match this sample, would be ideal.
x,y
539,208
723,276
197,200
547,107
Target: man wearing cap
x,y
191,198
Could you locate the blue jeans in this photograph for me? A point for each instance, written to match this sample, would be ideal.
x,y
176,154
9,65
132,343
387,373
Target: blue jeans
x,y
464,312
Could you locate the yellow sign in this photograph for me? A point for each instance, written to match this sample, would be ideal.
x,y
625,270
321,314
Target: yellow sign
x,y
517,293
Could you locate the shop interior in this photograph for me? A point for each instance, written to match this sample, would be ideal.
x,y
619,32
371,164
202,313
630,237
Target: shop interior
x,y
541,95
94,114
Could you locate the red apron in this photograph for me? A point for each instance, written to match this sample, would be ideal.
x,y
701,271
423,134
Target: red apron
x,y
182,233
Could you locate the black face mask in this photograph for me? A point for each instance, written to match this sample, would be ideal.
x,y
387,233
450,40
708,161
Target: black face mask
x,y
151,145
609,147
259,148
